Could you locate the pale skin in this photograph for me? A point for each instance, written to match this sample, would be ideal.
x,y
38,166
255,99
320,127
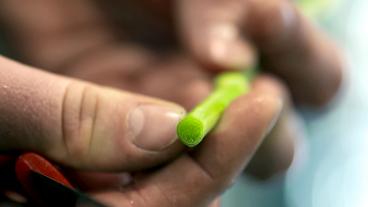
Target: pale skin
x,y
106,105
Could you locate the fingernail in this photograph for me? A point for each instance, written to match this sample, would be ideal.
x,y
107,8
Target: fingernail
x,y
153,126
230,51
233,55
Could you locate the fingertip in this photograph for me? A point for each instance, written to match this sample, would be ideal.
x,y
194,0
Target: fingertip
x,y
276,153
221,55
269,84
332,71
212,34
226,151
265,106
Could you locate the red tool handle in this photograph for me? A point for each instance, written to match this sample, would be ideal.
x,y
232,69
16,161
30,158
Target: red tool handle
x,y
29,162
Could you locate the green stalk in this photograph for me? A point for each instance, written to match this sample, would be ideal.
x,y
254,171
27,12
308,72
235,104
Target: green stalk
x,y
228,86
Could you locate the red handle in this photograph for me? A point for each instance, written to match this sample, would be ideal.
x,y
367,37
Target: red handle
x,y
31,162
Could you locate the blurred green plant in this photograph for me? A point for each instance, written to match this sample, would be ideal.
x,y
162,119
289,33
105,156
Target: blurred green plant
x,y
316,9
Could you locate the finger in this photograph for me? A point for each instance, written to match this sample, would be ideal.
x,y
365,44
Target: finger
x,y
198,178
97,182
50,34
216,203
295,50
89,181
211,32
288,44
276,153
83,125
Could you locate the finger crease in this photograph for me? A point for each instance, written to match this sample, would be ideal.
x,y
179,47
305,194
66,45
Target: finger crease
x,y
94,118
63,118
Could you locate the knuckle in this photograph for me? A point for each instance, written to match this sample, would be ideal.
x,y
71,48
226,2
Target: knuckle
x,y
79,114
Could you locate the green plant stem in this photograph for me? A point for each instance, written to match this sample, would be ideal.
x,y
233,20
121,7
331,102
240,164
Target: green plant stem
x,y
228,86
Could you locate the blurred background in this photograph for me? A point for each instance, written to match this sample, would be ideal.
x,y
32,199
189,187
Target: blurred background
x,y
330,168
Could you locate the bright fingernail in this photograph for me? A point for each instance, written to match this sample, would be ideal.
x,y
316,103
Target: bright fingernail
x,y
153,126
228,49
232,55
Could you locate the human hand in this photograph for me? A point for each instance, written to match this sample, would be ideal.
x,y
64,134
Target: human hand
x,y
93,128
99,54
302,62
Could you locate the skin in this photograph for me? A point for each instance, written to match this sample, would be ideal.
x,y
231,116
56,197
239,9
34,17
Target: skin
x,y
80,40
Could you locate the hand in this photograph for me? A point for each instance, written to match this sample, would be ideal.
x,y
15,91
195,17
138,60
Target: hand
x,y
233,34
89,127
99,54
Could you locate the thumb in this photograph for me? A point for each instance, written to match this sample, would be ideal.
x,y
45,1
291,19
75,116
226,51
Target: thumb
x,y
83,125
